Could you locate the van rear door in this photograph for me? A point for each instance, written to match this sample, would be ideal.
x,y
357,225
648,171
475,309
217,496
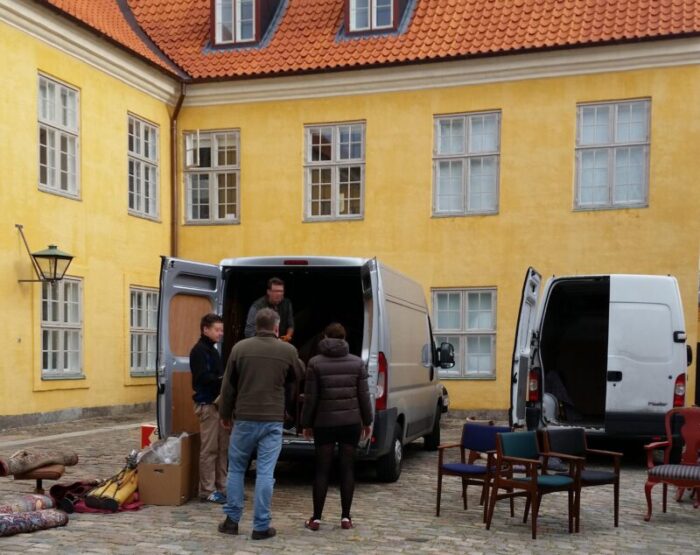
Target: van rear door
x,y
188,291
521,350
646,353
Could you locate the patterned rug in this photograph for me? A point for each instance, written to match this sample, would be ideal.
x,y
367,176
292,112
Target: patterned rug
x,y
24,503
18,523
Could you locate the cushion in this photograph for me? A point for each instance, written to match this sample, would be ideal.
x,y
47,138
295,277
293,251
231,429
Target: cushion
x,y
48,472
550,481
597,476
461,468
481,437
676,472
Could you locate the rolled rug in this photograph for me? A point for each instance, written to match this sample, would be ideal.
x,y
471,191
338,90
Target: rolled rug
x,y
18,523
27,460
24,503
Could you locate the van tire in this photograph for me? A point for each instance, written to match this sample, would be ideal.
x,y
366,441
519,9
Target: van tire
x,y
389,465
432,440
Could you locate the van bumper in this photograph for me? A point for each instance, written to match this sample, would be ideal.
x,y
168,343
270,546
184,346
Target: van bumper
x,y
635,425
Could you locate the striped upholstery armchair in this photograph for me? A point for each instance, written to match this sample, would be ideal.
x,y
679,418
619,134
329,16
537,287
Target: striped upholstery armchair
x,y
683,475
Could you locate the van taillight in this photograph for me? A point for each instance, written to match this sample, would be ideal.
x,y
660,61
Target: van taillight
x,y
679,392
533,386
383,369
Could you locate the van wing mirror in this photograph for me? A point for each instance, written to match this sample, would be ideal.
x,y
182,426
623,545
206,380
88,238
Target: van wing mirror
x,y
446,355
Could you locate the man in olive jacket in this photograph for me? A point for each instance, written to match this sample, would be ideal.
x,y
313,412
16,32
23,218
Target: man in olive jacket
x,y
259,370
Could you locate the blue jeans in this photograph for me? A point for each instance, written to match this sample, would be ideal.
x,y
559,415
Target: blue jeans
x,y
248,436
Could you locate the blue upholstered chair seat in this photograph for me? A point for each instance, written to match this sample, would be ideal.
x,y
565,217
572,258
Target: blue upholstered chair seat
x,y
462,468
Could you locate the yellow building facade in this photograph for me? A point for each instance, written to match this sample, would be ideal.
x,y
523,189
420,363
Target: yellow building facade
x,y
536,100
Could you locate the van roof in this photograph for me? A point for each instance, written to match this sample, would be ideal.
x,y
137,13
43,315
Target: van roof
x,y
294,260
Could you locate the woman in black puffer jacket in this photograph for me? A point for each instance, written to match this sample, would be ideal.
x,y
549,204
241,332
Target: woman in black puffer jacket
x,y
337,409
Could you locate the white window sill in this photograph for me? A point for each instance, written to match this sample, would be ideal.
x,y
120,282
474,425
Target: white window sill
x,y
59,193
440,215
155,219
608,207
57,377
211,222
317,219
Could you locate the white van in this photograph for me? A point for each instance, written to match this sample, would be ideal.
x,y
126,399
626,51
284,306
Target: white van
x,y
385,315
604,352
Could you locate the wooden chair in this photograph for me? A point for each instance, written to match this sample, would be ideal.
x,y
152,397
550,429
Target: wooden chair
x,y
568,442
477,439
683,475
522,448
48,472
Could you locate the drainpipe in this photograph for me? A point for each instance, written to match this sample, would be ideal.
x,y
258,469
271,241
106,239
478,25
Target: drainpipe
x,y
174,189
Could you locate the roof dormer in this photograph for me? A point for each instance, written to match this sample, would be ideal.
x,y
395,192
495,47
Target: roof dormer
x,y
241,22
373,16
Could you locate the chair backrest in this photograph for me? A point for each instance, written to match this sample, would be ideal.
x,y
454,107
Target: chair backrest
x,y
569,441
689,418
519,444
481,437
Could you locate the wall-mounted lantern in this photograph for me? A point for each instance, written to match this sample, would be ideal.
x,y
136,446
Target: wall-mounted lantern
x,y
49,265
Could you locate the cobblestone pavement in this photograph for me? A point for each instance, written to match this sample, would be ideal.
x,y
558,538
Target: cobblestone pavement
x,y
389,518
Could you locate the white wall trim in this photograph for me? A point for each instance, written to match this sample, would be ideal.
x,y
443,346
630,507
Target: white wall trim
x,y
87,47
495,69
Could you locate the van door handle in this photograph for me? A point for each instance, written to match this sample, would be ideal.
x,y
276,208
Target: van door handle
x,y
615,376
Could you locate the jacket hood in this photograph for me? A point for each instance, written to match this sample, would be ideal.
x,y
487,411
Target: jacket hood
x,y
333,347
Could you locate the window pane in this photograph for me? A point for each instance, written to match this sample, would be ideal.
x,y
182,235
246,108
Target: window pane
x,y
456,342
450,193
321,143
595,125
226,21
448,311
199,196
480,358
451,136
482,184
227,154
349,187
479,311
245,20
383,13
321,190
593,186
350,142
204,151
359,15
629,175
483,133
631,122
226,191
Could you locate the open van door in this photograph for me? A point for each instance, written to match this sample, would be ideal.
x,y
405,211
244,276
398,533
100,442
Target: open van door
x,y
188,291
521,351
646,354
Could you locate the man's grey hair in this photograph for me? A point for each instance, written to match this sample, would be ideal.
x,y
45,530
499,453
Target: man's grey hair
x,y
266,319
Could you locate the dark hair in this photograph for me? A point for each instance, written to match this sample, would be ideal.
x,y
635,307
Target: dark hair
x,y
266,319
334,331
208,320
274,281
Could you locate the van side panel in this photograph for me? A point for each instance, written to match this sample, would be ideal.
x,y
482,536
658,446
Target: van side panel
x,y
643,358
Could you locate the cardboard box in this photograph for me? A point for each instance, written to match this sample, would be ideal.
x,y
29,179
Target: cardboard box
x,y
171,484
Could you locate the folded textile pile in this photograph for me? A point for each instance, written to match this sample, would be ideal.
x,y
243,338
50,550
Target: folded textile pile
x,y
27,460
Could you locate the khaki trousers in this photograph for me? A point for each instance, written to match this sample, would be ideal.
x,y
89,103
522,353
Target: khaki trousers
x,y
213,453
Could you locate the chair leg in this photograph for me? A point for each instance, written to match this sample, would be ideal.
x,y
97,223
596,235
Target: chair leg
x,y
664,497
485,497
647,493
464,492
439,494
535,511
616,501
39,487
512,506
571,510
492,505
527,508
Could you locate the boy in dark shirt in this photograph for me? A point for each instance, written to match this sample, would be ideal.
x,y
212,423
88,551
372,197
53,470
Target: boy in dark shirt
x,y
207,373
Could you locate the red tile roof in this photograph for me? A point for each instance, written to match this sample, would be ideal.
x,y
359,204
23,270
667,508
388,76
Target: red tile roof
x,y
308,36
108,19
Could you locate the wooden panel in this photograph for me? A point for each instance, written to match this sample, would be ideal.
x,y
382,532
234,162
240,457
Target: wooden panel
x,y
184,419
185,313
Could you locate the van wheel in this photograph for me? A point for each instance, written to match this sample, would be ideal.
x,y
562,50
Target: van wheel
x,y
389,465
432,440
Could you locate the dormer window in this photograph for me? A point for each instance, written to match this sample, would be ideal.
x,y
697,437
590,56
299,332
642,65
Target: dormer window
x,y
370,16
235,21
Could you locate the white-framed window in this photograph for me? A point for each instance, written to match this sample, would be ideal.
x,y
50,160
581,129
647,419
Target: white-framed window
x,y
612,154
334,171
61,329
466,159
466,318
143,168
369,15
212,177
143,326
58,137
235,21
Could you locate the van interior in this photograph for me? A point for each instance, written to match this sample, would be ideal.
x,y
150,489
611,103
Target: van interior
x,y
319,296
574,349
